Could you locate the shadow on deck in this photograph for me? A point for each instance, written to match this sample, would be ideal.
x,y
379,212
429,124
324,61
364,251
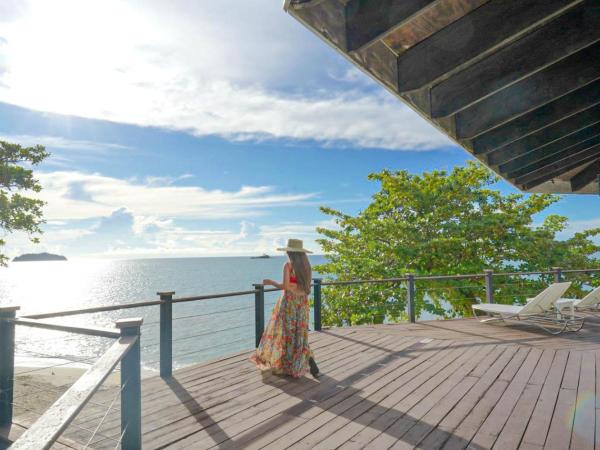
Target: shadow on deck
x,y
442,384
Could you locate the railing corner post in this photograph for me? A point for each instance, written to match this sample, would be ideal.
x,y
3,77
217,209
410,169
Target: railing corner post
x,y
166,333
131,387
489,285
318,301
557,274
7,366
259,311
411,297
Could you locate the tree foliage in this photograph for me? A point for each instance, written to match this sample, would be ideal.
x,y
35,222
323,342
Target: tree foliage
x,y
443,223
17,211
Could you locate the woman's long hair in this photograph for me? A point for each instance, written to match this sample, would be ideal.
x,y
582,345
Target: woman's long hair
x,y
302,270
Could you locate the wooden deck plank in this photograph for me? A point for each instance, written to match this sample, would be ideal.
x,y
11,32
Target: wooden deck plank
x,y
512,433
537,428
314,432
490,429
585,408
559,434
445,429
271,404
332,390
162,402
266,434
325,438
469,427
208,377
435,415
396,434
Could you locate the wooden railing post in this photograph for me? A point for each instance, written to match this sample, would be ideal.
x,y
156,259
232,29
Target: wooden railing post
x,y
166,334
410,285
557,274
317,305
259,311
131,388
7,366
489,285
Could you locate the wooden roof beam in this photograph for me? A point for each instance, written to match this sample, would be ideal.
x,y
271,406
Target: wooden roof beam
x,y
558,166
538,119
536,165
554,134
586,176
561,78
564,36
558,172
369,20
568,142
479,32
351,24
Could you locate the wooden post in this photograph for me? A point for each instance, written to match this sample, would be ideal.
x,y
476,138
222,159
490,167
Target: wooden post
x,y
7,366
489,285
131,388
557,274
259,311
410,285
317,306
166,334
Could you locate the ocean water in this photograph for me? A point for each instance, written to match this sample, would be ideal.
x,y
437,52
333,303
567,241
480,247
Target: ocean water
x,y
202,330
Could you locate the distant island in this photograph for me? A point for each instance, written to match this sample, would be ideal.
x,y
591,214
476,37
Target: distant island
x,y
263,256
39,257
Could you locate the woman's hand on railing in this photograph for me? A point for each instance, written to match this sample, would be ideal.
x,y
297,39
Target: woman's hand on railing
x,y
269,282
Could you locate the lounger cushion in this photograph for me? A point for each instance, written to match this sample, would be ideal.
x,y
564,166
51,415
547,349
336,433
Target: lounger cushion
x,y
577,301
499,308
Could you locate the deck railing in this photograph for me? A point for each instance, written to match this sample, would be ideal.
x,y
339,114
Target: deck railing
x,y
53,422
126,350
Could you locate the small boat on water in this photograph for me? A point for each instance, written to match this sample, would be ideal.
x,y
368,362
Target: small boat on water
x,y
263,256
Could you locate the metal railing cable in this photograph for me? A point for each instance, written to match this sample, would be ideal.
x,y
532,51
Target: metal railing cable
x,y
101,422
224,311
204,350
74,425
212,332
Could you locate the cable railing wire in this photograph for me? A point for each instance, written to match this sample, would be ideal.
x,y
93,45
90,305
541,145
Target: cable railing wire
x,y
213,313
104,416
72,424
206,333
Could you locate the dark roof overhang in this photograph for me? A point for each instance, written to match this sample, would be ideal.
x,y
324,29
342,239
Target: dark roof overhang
x,y
515,83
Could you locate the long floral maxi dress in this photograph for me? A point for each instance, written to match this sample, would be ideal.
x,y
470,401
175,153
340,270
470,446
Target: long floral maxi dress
x,y
284,345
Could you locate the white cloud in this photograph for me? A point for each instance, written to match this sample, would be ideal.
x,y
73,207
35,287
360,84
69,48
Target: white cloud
x,y
578,226
210,68
76,195
121,234
62,142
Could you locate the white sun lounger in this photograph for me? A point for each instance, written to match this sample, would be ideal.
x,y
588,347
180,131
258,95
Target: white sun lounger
x,y
588,303
538,311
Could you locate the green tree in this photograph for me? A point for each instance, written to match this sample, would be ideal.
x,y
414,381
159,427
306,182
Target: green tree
x,y
18,212
443,223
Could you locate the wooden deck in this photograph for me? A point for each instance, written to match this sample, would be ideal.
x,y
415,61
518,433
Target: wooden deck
x,y
443,384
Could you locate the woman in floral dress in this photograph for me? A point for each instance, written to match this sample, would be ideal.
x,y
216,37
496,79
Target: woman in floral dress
x,y
284,345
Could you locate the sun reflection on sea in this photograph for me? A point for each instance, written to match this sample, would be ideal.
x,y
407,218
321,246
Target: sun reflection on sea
x,y
57,285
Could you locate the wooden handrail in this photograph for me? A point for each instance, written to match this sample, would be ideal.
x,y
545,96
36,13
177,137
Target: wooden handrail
x,y
90,331
48,428
93,309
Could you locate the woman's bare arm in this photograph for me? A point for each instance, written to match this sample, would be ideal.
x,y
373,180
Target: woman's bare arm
x,y
286,285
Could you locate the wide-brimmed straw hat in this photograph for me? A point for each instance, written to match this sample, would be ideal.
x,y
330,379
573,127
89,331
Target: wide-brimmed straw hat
x,y
294,245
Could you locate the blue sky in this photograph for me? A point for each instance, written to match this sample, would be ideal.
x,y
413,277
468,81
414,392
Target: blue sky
x,y
199,130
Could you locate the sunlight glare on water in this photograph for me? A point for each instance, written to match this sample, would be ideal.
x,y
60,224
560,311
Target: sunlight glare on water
x,y
63,285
